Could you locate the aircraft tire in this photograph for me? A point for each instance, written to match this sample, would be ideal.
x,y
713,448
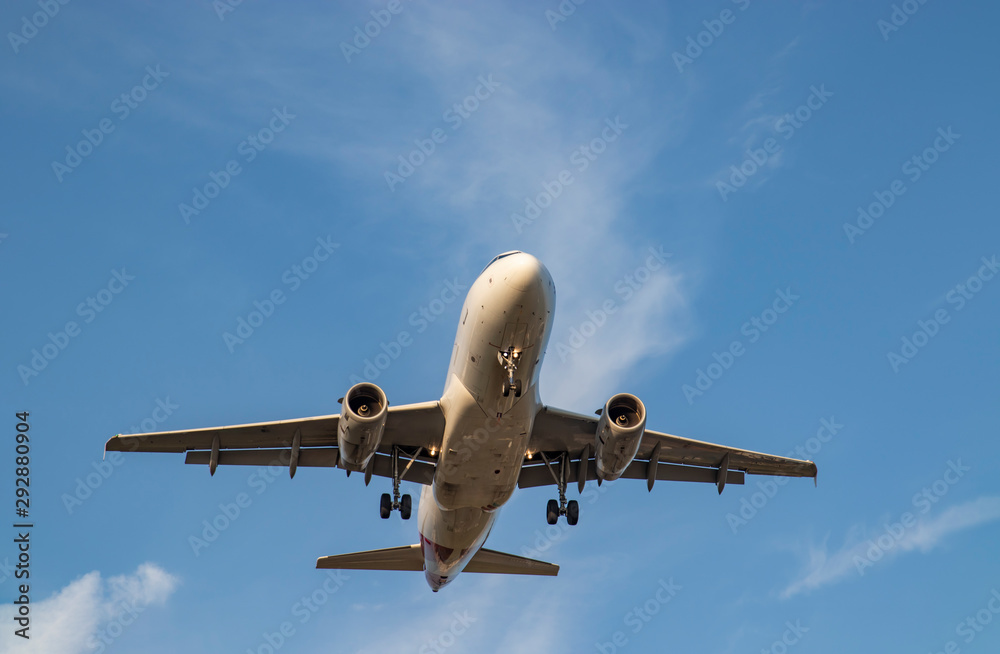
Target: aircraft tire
x,y
552,512
573,512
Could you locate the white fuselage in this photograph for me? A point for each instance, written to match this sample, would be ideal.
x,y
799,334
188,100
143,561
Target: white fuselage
x,y
509,307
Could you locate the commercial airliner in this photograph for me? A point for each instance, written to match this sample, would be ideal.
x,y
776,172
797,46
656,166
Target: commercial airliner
x,y
487,435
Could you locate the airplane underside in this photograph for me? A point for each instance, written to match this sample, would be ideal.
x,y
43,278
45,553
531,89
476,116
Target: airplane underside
x,y
487,435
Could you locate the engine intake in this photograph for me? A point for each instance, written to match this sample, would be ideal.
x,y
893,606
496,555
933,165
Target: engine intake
x,y
619,432
362,421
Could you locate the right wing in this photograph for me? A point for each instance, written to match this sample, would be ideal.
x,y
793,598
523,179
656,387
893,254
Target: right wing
x,y
676,459
409,426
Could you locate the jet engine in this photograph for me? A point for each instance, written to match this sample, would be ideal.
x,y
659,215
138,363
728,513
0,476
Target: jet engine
x,y
619,432
362,421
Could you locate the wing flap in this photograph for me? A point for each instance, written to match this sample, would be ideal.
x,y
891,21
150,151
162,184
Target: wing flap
x,y
538,475
420,472
311,458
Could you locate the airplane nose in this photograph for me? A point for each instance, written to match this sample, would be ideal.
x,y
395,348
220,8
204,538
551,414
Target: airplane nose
x,y
524,272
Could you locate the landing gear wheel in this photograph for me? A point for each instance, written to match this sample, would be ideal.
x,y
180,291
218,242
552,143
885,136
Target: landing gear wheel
x,y
385,506
506,389
517,387
552,512
573,512
405,506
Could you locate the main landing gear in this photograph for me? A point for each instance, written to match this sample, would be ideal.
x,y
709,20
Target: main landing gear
x,y
508,359
402,503
556,508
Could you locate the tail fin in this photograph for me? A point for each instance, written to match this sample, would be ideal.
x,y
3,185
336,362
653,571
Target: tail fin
x,y
409,557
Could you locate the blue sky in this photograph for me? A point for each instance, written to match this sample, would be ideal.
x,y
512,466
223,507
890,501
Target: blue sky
x,y
354,180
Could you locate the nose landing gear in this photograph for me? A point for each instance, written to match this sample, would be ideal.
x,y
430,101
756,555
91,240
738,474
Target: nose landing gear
x,y
508,359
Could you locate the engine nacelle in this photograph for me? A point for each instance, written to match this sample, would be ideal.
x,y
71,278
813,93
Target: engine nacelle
x,y
619,432
362,421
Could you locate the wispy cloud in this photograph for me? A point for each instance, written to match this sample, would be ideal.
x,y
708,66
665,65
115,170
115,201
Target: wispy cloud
x,y
825,567
89,613
520,138
353,126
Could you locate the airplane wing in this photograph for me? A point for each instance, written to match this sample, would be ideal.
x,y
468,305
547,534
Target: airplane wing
x,y
557,433
416,429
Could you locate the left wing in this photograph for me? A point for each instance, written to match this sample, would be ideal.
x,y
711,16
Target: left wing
x,y
677,459
308,442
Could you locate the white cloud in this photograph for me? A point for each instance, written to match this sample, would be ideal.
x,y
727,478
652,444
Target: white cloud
x,y
826,568
89,613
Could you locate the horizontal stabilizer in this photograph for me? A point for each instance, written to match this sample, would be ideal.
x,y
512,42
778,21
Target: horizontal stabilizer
x,y
409,557
509,564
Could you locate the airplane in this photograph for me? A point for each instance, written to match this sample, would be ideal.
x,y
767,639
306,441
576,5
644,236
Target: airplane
x,y
488,434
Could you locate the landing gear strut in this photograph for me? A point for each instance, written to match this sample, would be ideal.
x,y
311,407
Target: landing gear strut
x,y
508,359
554,508
402,503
